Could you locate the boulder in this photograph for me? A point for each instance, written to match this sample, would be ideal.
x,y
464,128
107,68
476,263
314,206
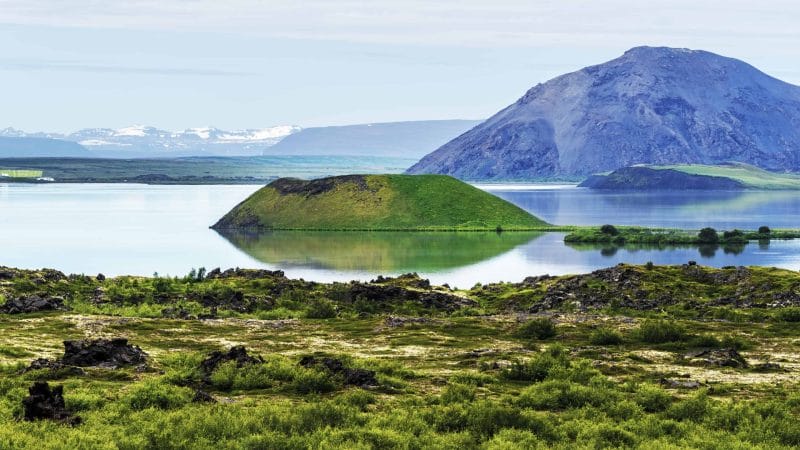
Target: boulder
x,y
44,403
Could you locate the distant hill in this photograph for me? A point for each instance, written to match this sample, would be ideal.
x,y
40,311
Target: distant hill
x,y
150,142
651,105
25,147
375,202
693,177
404,139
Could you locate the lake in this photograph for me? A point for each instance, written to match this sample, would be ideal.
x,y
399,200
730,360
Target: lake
x,y
141,229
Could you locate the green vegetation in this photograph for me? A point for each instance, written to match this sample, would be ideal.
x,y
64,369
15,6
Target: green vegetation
x,y
608,234
750,176
377,202
455,369
20,173
201,170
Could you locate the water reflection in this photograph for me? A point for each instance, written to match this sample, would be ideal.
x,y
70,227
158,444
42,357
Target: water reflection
x,y
376,251
692,209
705,250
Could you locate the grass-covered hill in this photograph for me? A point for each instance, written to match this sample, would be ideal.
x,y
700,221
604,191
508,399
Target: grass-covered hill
x,y
376,202
693,177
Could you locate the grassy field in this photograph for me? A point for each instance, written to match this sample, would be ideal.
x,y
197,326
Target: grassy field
x,y
751,176
378,202
20,173
604,360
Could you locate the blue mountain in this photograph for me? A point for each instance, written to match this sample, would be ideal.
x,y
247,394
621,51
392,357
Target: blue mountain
x,y
27,147
652,105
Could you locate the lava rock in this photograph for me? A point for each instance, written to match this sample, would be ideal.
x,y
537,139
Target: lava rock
x,y
201,396
109,353
32,303
44,403
237,354
725,357
177,313
350,376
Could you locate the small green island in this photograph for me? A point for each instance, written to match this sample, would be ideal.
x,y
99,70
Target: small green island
x,y
377,203
729,176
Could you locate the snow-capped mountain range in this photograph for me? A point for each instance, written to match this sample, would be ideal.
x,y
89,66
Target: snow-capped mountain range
x,y
143,141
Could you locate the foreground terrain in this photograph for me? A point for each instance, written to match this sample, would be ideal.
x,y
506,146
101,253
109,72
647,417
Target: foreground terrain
x,y
630,356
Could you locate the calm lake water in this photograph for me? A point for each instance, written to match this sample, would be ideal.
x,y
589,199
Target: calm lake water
x,y
139,229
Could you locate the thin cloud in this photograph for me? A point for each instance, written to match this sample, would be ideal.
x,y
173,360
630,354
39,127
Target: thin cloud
x,y
74,66
454,22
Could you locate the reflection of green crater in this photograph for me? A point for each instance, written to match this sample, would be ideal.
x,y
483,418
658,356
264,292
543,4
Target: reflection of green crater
x,y
376,251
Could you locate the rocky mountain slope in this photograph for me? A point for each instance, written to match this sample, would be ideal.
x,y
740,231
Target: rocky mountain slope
x,y
651,105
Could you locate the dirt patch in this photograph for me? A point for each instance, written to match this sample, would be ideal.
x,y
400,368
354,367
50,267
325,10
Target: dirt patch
x,y
309,188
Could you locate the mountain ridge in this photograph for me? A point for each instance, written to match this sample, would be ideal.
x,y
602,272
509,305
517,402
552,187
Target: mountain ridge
x,y
652,105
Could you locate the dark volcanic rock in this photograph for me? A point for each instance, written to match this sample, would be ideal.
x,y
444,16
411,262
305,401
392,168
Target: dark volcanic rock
x,y
350,376
385,294
237,354
32,303
645,178
177,313
44,403
650,106
725,357
109,353
54,365
308,188
201,396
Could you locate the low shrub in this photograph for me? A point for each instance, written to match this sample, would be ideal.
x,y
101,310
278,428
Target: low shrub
x,y
660,332
652,399
321,308
540,328
791,314
156,394
606,336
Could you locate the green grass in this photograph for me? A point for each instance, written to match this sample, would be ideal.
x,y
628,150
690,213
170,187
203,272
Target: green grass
x,y
752,177
386,202
20,173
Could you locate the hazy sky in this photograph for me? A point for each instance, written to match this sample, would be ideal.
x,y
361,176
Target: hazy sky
x,y
174,64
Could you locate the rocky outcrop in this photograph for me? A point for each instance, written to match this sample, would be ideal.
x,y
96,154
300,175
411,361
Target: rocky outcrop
x,y
32,303
650,106
105,353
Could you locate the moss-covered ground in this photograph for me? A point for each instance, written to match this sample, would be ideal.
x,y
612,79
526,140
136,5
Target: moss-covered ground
x,y
585,361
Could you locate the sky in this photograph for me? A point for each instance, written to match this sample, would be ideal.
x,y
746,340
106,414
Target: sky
x,y
235,64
